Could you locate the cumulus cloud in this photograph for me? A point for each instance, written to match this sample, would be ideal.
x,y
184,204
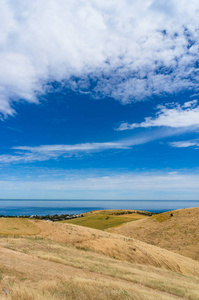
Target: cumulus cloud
x,y
175,116
128,50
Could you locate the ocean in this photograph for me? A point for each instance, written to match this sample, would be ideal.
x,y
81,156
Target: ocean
x,y
15,207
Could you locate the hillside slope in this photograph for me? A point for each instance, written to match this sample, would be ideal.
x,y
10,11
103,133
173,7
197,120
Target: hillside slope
x,y
44,270
176,230
64,261
115,246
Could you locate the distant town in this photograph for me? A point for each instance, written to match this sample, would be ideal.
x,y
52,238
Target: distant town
x,y
51,218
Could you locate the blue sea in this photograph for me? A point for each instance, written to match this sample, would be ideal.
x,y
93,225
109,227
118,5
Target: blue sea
x,y
43,207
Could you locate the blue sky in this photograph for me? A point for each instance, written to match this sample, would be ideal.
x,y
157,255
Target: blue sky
x,y
99,101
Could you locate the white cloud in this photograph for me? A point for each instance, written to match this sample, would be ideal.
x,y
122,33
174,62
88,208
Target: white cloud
x,y
185,144
151,185
71,148
194,95
190,104
27,154
129,50
175,116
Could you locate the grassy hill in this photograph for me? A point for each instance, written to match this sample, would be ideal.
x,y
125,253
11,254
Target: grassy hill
x,y
177,231
66,261
104,219
17,226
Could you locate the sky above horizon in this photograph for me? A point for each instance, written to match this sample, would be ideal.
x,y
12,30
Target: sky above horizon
x,y
99,99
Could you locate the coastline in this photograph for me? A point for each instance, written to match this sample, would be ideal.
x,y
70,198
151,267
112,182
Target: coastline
x,y
44,207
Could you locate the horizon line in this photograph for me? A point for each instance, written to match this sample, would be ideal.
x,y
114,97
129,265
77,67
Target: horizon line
x,y
94,200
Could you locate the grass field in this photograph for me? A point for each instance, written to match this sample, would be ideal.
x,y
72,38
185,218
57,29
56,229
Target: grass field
x,y
17,226
49,270
105,219
177,231
66,261
63,261
41,269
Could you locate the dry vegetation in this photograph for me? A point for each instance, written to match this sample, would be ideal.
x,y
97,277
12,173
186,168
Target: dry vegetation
x,y
17,226
177,231
65,261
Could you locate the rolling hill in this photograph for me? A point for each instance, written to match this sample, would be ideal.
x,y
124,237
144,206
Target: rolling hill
x,y
176,230
66,261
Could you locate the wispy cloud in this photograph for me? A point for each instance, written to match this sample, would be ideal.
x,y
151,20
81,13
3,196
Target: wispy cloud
x,y
27,154
151,185
185,144
128,50
175,116
70,148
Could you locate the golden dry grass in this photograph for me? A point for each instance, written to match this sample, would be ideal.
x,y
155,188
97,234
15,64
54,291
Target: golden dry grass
x,y
178,233
17,226
40,269
65,261
115,246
